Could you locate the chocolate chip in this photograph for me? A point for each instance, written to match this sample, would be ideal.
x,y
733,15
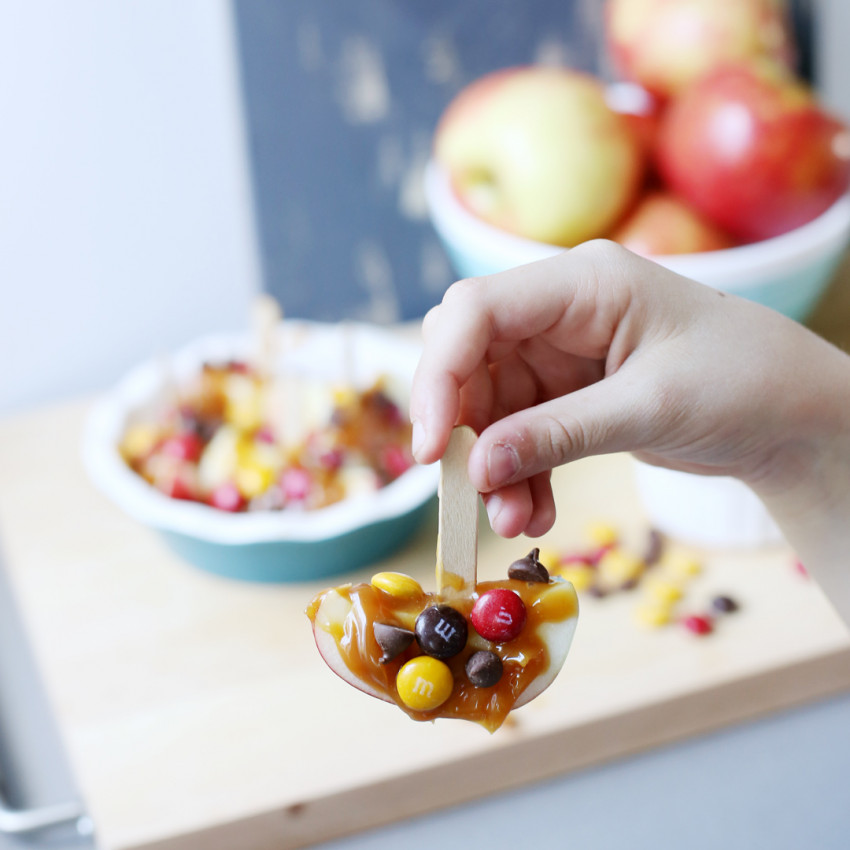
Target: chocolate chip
x,y
529,568
484,668
204,426
393,640
654,546
724,604
441,631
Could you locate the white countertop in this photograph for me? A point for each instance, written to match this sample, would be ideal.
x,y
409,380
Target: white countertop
x,y
780,782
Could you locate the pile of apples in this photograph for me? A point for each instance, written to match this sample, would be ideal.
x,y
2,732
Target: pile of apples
x,y
711,140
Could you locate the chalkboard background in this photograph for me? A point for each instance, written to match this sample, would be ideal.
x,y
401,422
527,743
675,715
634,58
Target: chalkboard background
x,y
341,101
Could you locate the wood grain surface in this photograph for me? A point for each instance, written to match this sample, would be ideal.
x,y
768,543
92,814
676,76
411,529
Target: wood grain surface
x,y
197,713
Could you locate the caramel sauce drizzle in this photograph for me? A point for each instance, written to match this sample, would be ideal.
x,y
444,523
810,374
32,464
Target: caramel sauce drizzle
x,y
524,658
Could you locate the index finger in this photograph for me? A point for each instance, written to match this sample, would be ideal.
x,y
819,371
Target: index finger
x,y
572,296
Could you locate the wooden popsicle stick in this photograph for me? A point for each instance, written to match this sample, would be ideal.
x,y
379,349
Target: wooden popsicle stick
x,y
349,355
457,537
282,391
168,398
266,316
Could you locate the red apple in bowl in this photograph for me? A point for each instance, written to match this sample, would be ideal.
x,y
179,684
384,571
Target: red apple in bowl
x,y
537,151
662,224
640,109
750,148
665,45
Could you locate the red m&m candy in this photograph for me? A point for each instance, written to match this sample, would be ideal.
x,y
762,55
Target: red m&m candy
x,y
186,446
498,615
226,497
698,624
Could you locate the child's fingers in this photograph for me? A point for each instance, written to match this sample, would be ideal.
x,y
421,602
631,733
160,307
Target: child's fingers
x,y
573,295
615,414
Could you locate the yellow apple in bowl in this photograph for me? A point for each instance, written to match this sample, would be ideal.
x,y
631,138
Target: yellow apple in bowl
x,y
537,151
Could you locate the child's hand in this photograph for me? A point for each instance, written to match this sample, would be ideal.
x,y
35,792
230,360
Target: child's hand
x,y
598,350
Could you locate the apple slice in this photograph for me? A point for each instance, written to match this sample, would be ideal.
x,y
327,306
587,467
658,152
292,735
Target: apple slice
x,y
558,637
483,649
328,623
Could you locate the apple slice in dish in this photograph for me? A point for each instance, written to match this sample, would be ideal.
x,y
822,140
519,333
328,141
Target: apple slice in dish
x,y
471,650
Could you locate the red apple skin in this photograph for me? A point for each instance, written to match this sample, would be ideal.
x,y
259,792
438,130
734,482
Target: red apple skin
x,y
752,150
327,646
640,110
663,224
665,45
644,128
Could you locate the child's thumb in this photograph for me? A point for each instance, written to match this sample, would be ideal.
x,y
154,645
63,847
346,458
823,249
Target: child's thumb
x,y
609,416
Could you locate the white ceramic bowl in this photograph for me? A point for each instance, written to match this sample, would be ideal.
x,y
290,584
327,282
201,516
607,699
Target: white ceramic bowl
x,y
716,512
788,273
267,545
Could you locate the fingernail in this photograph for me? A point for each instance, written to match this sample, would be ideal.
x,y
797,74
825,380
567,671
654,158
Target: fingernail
x,y
417,437
494,508
502,464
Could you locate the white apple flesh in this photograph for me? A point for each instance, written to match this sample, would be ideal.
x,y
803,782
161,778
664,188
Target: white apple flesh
x,y
558,638
538,151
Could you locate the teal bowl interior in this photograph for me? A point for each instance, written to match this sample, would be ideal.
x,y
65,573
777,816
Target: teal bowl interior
x,y
296,561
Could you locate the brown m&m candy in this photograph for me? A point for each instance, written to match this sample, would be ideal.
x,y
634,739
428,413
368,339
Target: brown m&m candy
x,y
441,631
724,604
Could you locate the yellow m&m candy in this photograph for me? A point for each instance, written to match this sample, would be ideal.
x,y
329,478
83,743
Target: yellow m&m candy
x,y
653,614
424,683
397,584
664,591
580,576
602,534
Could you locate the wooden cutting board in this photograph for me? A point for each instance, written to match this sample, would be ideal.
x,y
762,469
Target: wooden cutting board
x,y
197,713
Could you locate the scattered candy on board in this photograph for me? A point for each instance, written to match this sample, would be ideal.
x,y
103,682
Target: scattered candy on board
x,y
608,567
